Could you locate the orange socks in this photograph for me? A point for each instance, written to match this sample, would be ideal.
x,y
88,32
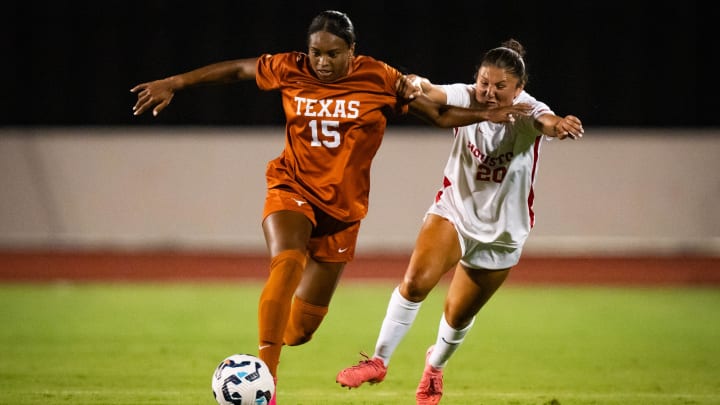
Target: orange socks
x,y
286,270
305,318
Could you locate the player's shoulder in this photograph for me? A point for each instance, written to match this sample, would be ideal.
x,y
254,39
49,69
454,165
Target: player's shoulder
x,y
458,94
291,58
538,107
373,70
284,63
367,59
525,97
369,62
459,87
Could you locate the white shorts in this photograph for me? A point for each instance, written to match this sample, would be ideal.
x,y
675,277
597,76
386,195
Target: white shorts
x,y
476,254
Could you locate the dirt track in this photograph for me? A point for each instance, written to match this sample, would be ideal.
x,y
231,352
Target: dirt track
x,y
30,266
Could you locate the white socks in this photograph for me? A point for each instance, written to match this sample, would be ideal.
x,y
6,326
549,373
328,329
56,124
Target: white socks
x,y
399,318
448,340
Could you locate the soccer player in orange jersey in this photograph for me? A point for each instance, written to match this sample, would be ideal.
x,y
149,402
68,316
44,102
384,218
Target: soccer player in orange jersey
x,y
336,105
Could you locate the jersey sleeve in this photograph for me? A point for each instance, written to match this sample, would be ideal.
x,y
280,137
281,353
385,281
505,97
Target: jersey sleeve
x,y
538,107
269,71
392,77
458,94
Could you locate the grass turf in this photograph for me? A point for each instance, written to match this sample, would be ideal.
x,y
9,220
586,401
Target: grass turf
x,y
159,343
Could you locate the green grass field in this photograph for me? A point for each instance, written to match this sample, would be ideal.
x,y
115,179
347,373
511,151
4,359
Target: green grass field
x,y
159,343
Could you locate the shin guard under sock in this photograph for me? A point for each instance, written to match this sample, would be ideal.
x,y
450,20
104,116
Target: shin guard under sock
x,y
448,340
286,271
304,320
399,318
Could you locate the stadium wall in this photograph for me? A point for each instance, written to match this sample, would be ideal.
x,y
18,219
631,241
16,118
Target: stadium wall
x,y
617,192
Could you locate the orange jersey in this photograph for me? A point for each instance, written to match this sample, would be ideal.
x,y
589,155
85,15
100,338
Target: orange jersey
x,y
333,130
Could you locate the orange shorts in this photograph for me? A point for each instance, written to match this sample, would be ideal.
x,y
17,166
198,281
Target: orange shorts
x,y
331,240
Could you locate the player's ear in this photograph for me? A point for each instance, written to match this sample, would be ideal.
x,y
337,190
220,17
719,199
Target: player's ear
x,y
520,87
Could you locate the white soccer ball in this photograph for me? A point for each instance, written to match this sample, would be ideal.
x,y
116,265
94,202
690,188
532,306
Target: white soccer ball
x,y
242,379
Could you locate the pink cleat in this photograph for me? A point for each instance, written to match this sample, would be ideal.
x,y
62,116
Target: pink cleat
x,y
273,400
369,370
430,389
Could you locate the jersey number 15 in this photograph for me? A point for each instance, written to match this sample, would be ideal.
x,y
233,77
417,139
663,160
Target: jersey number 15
x,y
330,134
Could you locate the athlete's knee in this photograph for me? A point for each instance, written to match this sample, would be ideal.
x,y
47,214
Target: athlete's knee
x,y
289,256
415,289
458,320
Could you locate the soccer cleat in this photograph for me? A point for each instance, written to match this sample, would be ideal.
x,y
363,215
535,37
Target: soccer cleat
x,y
430,389
273,400
369,370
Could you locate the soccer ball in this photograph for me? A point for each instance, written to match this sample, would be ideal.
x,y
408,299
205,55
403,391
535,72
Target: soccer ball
x,y
242,379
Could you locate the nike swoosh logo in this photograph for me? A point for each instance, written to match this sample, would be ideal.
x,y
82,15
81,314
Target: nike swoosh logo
x,y
343,250
451,344
262,347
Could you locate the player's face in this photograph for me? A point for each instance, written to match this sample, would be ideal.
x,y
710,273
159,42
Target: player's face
x,y
330,56
496,87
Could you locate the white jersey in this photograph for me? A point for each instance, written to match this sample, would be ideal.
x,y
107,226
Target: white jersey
x,y
488,186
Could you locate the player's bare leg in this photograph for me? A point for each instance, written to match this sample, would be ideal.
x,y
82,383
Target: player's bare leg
x,y
436,251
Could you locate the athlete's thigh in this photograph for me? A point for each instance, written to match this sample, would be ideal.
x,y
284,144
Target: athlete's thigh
x,y
287,220
437,251
469,290
286,230
319,282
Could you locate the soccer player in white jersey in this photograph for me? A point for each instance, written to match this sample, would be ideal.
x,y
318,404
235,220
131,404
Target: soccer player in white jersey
x,y
479,220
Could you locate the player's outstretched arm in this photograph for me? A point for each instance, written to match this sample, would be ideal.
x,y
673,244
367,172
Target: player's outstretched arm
x,y
157,94
427,101
447,116
569,126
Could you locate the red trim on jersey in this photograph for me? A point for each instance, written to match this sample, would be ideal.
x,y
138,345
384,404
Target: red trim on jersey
x,y
446,184
531,196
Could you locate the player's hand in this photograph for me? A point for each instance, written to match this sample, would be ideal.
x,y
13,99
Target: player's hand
x,y
419,82
507,113
569,127
156,95
406,89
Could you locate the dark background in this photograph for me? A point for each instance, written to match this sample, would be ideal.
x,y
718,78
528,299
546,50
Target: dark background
x,y
612,63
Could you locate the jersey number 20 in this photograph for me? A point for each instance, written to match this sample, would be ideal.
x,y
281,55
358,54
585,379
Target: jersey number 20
x,y
494,174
